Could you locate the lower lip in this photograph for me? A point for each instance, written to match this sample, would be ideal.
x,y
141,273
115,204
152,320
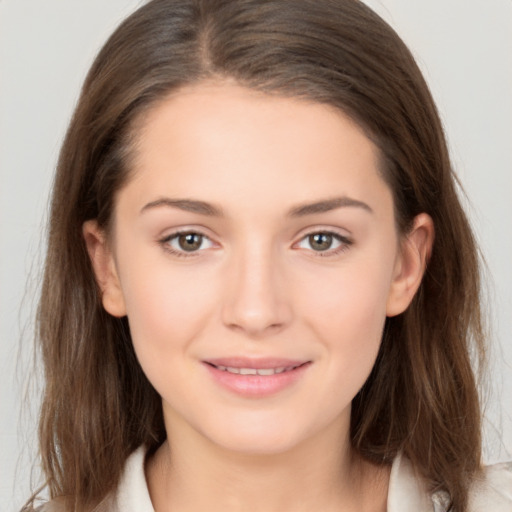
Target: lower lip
x,y
256,385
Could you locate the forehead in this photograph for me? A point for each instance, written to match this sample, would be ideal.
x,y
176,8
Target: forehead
x,y
227,142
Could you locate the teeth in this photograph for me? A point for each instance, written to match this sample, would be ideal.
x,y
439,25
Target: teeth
x,y
255,371
248,371
266,371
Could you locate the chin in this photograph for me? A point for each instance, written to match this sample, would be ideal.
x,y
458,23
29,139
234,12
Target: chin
x,y
264,444
257,436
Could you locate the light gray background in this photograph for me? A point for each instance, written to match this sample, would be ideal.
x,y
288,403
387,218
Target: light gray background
x,y
464,48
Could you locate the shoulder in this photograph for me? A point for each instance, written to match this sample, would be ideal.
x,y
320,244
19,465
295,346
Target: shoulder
x,y
131,495
51,506
491,491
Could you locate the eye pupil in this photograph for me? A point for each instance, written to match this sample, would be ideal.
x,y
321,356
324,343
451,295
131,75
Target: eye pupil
x,y
190,241
320,241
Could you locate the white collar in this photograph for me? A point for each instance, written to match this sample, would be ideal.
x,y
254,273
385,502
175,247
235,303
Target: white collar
x,y
407,491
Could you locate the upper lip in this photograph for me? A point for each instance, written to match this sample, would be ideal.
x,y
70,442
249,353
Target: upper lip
x,y
256,363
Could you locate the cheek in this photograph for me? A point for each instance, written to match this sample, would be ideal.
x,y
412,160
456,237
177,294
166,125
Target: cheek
x,y
348,313
352,300
167,306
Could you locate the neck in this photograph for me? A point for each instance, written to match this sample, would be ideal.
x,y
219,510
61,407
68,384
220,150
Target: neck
x,y
189,473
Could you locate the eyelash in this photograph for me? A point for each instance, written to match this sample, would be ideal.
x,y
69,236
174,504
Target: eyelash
x,y
343,240
181,254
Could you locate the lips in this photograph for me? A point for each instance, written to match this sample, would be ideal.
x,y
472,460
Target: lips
x,y
256,377
255,363
255,371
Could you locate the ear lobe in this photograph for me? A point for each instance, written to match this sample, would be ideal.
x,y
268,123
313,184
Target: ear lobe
x,y
411,264
104,267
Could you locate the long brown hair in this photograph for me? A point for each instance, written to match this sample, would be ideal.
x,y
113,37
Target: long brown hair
x,y
421,397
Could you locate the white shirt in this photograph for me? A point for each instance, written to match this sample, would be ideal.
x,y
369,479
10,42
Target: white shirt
x,y
407,492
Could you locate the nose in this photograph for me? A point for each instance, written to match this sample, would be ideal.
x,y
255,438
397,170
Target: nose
x,y
256,299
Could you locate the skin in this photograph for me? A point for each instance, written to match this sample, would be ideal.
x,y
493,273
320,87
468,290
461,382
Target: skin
x,y
257,286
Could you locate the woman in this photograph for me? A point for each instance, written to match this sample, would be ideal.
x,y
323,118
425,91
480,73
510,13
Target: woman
x,y
256,279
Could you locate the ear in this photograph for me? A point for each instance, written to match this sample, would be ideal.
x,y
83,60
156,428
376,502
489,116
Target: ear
x,y
410,264
104,267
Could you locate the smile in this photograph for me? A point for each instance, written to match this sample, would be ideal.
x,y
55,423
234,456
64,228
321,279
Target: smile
x,y
256,378
255,371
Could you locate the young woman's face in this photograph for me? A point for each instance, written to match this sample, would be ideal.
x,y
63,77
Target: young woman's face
x,y
256,256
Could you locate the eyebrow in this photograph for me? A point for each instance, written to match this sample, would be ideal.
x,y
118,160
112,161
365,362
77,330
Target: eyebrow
x,y
188,205
210,210
327,205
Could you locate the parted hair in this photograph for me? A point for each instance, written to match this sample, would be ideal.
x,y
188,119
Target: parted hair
x,y
421,398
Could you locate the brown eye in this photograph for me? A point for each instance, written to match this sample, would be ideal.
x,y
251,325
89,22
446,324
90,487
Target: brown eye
x,y
186,243
190,241
325,243
320,241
